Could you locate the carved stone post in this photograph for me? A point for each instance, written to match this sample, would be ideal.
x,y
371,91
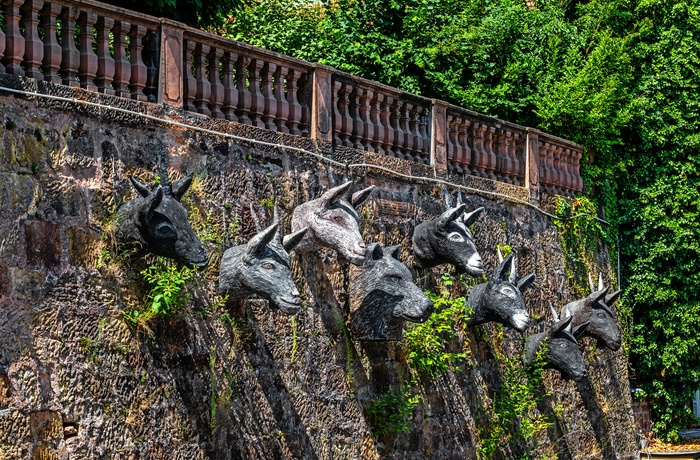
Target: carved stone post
x,y
216,99
52,50
257,100
172,52
281,99
532,164
122,67
230,91
138,68
244,96
294,105
105,61
201,101
321,104
269,102
438,138
14,41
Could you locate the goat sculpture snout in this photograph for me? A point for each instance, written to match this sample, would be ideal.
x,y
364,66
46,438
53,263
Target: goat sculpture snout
x,y
158,222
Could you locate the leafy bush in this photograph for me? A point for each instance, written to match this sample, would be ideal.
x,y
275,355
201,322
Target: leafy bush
x,y
391,412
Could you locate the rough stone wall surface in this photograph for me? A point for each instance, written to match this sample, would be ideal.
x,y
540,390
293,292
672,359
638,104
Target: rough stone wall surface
x,y
77,381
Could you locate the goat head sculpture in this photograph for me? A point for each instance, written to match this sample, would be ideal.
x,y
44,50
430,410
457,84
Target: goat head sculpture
x,y
595,309
447,239
501,298
262,267
562,354
158,222
333,222
383,295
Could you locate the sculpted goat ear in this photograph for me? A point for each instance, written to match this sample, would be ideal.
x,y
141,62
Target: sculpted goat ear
x,y
141,188
334,194
259,241
612,298
471,217
373,253
450,215
152,202
560,326
292,240
526,282
501,272
394,251
360,197
180,186
596,296
579,330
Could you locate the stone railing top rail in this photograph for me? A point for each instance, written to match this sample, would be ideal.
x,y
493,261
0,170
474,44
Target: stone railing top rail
x,y
482,117
111,11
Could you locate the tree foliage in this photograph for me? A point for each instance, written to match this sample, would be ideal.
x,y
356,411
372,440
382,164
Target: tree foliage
x,y
619,77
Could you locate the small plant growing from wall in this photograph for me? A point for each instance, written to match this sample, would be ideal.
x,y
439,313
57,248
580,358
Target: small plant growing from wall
x,y
426,343
391,412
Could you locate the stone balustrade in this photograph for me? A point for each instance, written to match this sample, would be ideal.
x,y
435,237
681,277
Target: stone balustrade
x,y
132,55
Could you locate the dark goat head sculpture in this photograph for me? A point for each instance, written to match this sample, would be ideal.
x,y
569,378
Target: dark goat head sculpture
x,y
447,239
383,295
158,221
595,309
262,267
563,353
501,298
333,222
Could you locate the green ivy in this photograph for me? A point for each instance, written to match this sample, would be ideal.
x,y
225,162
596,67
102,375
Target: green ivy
x,y
392,411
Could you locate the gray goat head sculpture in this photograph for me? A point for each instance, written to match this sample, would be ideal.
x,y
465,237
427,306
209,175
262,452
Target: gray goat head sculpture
x,y
501,298
262,267
383,295
447,239
595,309
333,222
563,353
158,222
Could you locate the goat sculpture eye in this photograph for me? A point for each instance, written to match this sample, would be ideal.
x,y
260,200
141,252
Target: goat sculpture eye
x,y
164,230
395,278
338,218
456,237
268,266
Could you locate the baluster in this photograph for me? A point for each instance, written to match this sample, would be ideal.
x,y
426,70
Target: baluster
x,y
346,132
2,46
230,91
244,97
189,83
394,116
122,67
479,159
201,100
356,132
549,165
556,169
14,41
337,112
388,140
269,101
513,143
500,151
578,180
450,122
51,62
282,105
105,62
367,126
490,155
293,99
33,47
70,56
424,139
150,60
138,69
518,155
458,141
305,122
88,59
216,99
566,154
257,101
416,140
408,132
401,134
375,115
463,140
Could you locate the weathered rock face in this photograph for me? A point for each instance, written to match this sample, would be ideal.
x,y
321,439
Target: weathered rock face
x,y
77,381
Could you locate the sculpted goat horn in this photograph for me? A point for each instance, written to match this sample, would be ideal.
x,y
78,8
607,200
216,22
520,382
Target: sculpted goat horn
x,y
600,280
555,315
259,241
596,296
292,240
471,217
500,254
141,188
334,194
256,219
590,283
180,186
450,215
